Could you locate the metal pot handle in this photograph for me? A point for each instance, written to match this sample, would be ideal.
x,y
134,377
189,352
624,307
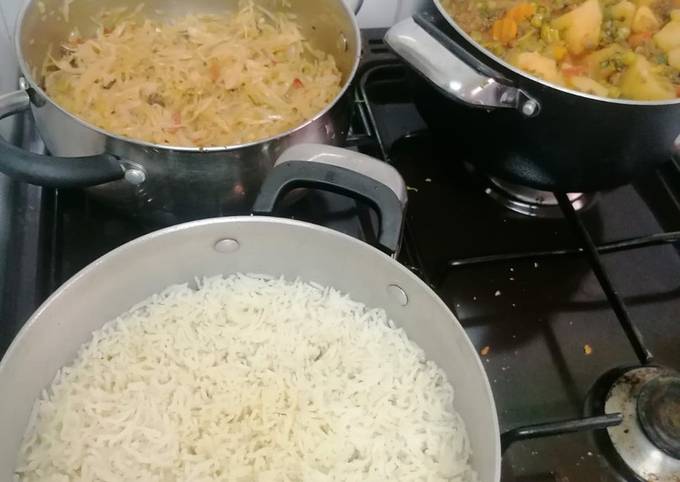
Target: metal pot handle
x,y
355,5
454,71
345,172
599,422
41,170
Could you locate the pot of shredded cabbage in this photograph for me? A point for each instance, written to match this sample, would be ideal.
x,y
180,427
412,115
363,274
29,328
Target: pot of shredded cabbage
x,y
177,109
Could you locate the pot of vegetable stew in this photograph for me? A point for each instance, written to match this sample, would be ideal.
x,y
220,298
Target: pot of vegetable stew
x,y
177,110
278,248
562,96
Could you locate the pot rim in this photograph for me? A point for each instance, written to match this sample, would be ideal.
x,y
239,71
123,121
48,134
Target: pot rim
x,y
527,75
27,75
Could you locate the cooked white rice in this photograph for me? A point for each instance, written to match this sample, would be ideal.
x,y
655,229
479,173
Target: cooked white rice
x,y
247,378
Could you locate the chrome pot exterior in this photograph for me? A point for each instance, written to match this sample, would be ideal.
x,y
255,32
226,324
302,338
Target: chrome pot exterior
x,y
122,278
179,185
163,183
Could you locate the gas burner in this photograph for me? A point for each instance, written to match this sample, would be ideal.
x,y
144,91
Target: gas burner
x,y
533,202
648,440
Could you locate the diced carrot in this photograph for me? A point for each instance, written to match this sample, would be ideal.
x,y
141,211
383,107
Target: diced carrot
x,y
637,39
297,83
108,30
504,30
521,11
572,70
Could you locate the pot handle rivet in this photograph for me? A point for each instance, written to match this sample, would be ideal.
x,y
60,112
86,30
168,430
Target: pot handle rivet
x,y
226,245
397,294
135,176
133,173
530,108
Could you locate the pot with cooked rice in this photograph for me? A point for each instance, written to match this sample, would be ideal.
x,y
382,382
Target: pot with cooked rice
x,y
248,349
177,110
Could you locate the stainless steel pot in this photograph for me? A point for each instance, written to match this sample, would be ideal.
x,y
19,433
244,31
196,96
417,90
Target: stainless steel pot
x,y
161,182
268,245
521,128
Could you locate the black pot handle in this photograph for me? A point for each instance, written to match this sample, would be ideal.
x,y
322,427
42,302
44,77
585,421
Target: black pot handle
x,y
41,170
341,171
559,428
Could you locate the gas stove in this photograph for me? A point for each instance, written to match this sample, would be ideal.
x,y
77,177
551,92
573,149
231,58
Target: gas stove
x,y
573,301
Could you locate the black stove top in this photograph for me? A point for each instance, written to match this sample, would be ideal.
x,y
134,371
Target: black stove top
x,y
552,304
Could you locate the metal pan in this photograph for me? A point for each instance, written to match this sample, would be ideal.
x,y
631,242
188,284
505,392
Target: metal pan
x,y
259,244
166,184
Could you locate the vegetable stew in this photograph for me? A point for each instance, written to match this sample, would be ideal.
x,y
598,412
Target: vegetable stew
x,y
626,49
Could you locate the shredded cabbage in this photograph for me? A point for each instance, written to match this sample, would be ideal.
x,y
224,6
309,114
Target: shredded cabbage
x,y
198,81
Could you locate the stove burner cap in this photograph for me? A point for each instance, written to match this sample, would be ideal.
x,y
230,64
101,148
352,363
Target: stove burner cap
x,y
647,440
658,410
533,202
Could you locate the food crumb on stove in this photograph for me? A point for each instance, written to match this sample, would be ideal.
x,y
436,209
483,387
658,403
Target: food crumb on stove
x,y
590,454
535,264
410,188
512,278
474,298
427,179
504,368
514,305
485,351
497,293
512,269
587,349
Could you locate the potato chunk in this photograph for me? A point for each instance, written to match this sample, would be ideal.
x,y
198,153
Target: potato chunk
x,y
581,27
641,82
674,58
624,11
588,85
645,21
668,37
539,65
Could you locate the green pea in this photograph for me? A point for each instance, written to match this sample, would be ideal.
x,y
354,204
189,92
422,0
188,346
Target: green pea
x,y
622,33
628,58
549,34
